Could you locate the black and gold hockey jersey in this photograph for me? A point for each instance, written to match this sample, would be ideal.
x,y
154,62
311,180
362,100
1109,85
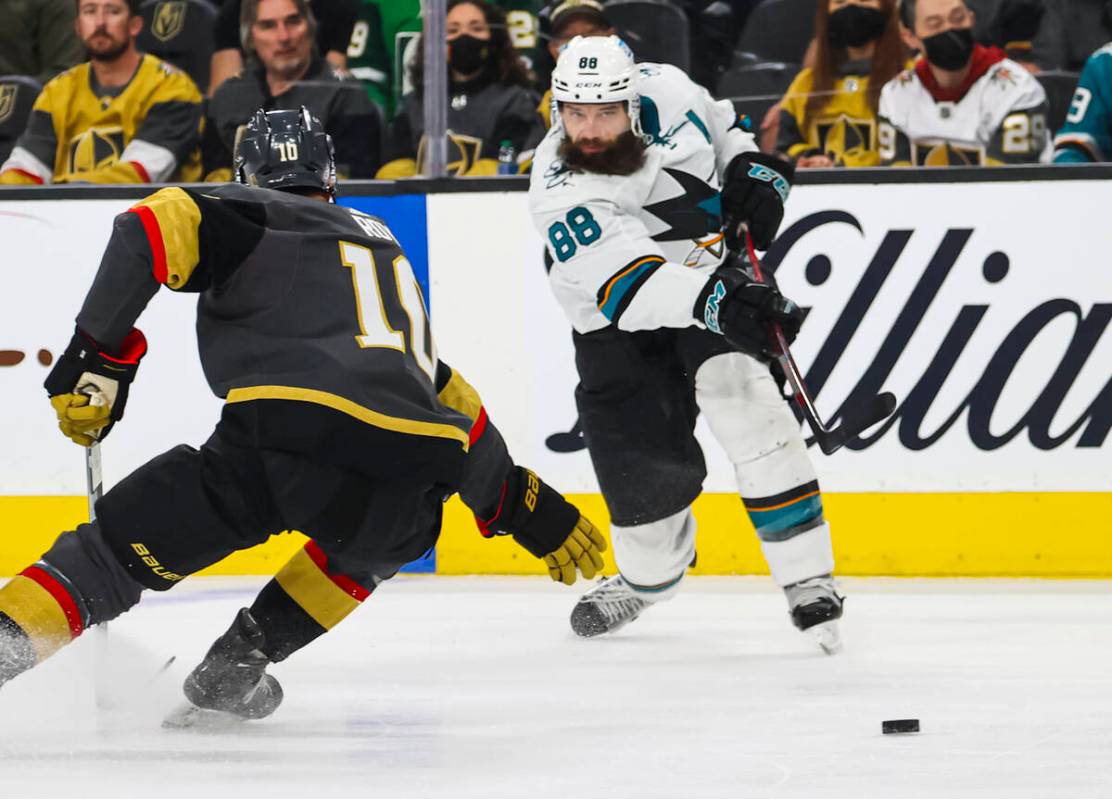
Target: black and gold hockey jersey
x,y
481,115
349,117
146,132
843,128
311,325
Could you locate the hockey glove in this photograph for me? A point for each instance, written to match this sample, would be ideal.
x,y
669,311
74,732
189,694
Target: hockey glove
x,y
754,190
734,305
88,388
546,524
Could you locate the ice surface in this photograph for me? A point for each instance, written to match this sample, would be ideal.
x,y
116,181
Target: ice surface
x,y
475,687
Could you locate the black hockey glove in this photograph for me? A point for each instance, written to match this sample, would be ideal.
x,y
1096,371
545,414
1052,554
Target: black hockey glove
x,y
738,307
88,388
754,190
546,524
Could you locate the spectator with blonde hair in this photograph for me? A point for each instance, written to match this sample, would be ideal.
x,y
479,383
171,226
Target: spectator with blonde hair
x,y
828,116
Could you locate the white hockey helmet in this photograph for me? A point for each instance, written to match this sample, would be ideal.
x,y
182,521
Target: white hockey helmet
x,y
597,70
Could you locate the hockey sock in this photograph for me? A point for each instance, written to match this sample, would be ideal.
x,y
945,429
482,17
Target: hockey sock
x,y
40,612
304,601
787,514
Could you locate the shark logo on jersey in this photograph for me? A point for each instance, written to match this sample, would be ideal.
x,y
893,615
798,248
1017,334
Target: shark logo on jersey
x,y
691,214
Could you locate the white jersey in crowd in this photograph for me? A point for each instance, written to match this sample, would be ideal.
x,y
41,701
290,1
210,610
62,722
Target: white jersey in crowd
x,y
636,250
1001,119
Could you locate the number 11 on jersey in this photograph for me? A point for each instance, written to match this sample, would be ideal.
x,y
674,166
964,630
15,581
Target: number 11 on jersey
x,y
371,297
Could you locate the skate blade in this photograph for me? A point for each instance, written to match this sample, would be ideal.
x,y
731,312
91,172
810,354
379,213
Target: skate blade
x,y
188,716
828,637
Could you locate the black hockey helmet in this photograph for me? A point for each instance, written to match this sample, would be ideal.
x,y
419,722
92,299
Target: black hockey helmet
x,y
285,150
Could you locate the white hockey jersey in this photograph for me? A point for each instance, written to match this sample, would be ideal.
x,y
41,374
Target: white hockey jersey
x,y
636,250
1000,118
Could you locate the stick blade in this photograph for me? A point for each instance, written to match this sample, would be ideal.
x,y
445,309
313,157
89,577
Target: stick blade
x,y
856,420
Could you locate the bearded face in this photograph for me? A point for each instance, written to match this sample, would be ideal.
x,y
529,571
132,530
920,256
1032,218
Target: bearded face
x,y
623,155
105,28
599,139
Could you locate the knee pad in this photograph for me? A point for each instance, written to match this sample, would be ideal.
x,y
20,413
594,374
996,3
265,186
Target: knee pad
x,y
82,562
653,557
753,424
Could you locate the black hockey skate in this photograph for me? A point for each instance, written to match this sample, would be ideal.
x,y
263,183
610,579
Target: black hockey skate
x,y
607,607
231,681
815,607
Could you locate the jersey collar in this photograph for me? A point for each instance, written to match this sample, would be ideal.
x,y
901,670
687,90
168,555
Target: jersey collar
x,y
982,61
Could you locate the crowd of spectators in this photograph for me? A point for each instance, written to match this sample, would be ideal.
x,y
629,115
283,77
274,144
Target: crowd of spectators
x,y
826,83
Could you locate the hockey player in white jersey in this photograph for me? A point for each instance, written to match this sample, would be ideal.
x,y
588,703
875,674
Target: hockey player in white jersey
x,y
961,104
631,190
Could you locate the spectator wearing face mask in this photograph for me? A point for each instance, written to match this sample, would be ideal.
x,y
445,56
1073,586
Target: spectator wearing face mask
x,y
828,116
491,104
962,103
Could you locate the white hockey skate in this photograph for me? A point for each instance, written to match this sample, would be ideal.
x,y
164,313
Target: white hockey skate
x,y
607,607
815,608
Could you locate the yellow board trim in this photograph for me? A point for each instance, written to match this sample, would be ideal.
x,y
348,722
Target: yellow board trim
x,y
356,411
945,535
179,219
317,595
37,613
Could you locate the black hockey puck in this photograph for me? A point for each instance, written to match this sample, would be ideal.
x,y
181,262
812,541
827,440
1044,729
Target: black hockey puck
x,y
899,725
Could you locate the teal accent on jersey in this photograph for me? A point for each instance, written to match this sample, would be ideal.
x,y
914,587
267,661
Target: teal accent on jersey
x,y
700,125
774,523
650,118
1087,134
713,207
618,292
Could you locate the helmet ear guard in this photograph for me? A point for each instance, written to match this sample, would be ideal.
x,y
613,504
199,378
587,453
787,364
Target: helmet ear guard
x,y
285,150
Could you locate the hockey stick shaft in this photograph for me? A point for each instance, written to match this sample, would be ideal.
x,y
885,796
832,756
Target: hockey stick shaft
x,y
829,439
94,482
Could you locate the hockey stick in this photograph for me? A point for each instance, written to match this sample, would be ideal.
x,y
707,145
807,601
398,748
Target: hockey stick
x,y
854,420
95,488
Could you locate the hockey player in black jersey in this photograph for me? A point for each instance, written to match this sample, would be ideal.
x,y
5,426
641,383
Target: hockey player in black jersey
x,y
339,421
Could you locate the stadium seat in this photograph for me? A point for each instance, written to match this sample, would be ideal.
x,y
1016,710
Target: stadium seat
x,y
1059,86
779,30
655,30
755,88
180,31
17,95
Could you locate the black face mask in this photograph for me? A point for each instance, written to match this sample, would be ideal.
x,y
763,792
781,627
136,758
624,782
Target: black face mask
x,y
950,50
467,55
854,26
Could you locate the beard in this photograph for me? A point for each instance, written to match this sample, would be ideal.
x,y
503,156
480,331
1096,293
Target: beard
x,y
624,156
102,47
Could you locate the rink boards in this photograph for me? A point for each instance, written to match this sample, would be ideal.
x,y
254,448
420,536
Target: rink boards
x,y
984,306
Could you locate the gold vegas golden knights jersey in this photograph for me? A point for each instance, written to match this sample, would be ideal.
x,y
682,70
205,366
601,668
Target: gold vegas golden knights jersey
x,y
843,128
147,131
310,325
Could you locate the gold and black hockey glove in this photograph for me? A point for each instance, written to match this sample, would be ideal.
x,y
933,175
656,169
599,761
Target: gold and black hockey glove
x,y
546,524
88,387
740,308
